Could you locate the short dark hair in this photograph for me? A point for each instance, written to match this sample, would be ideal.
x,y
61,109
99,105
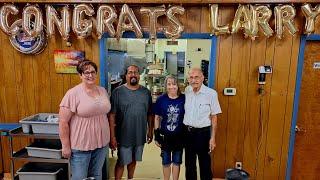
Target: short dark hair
x,y
83,65
126,71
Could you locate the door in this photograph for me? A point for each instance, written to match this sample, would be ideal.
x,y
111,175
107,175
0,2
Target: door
x,y
176,64
172,65
306,158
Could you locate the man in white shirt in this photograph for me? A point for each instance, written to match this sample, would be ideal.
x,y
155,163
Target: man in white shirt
x,y
200,119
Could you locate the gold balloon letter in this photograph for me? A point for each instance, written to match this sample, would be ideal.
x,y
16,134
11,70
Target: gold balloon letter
x,y
215,29
311,15
32,29
261,16
4,13
284,18
106,16
82,27
177,26
153,13
133,25
62,24
242,20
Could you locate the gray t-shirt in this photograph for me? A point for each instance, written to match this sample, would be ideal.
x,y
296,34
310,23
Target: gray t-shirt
x,y
131,108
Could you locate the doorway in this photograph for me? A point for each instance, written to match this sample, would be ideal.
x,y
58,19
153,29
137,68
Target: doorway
x,y
305,156
193,50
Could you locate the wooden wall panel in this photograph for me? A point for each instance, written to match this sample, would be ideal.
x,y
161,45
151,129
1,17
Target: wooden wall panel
x,y
224,58
2,108
262,136
253,129
9,81
2,82
253,123
290,100
42,85
239,68
193,23
289,107
28,82
55,79
278,102
20,85
30,85
204,19
265,102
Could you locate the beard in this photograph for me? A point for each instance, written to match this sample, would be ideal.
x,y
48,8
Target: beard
x,y
133,81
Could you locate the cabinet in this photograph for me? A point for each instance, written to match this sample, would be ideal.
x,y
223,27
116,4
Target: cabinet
x,y
23,155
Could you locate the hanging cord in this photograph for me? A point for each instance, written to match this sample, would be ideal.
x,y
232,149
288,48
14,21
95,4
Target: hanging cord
x,y
261,92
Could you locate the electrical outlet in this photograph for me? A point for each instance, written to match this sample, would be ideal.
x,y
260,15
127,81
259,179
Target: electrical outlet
x,y
238,165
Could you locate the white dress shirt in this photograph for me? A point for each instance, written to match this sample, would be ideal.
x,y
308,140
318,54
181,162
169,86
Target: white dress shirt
x,y
199,106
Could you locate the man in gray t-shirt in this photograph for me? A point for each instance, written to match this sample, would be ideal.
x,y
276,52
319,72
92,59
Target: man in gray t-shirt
x,y
130,121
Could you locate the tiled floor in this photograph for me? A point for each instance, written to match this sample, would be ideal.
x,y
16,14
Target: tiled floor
x,y
149,168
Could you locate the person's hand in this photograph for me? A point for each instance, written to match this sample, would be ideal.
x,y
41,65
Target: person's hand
x,y
66,152
149,136
156,142
113,143
212,144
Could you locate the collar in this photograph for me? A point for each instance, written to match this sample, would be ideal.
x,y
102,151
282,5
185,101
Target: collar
x,y
201,90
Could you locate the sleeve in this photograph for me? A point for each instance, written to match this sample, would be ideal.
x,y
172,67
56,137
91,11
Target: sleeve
x,y
70,101
114,101
104,91
214,104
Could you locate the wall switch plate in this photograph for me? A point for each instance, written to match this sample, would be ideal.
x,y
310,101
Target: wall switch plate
x,y
229,91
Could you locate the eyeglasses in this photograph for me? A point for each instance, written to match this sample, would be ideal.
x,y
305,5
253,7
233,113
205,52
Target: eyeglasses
x,y
87,73
197,78
133,72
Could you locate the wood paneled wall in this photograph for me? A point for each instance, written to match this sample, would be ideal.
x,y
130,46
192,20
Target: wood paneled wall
x,y
253,128
30,85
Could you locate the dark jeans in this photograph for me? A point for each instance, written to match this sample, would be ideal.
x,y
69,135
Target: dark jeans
x,y
197,145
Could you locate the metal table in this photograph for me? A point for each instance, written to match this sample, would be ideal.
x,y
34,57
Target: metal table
x,y
22,154
5,130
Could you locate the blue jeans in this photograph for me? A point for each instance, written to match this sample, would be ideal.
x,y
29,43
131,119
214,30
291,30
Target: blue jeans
x,y
88,163
169,157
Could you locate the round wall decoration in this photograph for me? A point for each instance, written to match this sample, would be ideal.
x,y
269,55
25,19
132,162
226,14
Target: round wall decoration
x,y
26,44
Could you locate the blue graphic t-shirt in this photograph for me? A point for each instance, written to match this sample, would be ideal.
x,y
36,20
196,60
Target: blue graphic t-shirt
x,y
171,112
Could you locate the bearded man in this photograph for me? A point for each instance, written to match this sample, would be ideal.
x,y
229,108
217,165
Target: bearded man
x,y
130,121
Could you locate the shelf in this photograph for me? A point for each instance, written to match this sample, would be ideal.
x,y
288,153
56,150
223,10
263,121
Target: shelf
x,y
23,155
38,136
